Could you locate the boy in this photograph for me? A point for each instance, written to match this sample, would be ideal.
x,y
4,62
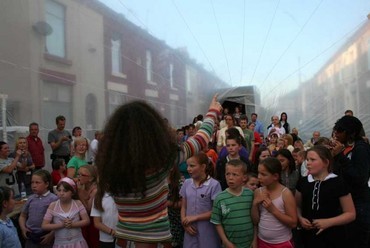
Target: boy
x,y
231,211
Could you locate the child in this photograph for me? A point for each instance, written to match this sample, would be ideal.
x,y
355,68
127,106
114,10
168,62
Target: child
x,y
105,216
302,163
233,146
174,207
274,208
66,216
79,159
8,233
289,175
252,181
231,212
324,203
198,194
34,210
59,170
134,158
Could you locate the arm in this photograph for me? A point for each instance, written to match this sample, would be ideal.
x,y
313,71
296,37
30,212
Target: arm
x,y
22,224
289,218
348,215
9,169
102,227
46,223
255,213
84,221
305,223
225,241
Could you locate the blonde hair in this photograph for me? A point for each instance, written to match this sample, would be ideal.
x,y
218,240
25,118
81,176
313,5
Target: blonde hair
x,y
17,142
289,138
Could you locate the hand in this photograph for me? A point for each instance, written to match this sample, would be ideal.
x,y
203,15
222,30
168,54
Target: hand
x,y
25,230
188,220
229,245
18,153
191,230
215,104
268,205
47,239
64,138
336,147
67,223
305,223
321,224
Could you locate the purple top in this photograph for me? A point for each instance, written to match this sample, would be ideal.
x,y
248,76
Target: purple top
x,y
200,200
242,153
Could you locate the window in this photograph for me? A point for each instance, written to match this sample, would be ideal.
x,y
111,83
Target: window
x,y
148,66
368,54
171,76
116,99
116,57
57,100
55,17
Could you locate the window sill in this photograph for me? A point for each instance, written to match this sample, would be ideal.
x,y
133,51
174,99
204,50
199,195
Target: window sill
x,y
152,83
174,89
119,75
57,59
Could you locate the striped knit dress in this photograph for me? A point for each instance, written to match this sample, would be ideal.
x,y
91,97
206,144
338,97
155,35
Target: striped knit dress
x,y
145,219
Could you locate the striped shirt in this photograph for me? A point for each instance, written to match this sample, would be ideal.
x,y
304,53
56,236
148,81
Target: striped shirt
x,y
234,214
145,219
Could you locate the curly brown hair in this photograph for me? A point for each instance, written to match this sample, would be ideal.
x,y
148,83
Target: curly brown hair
x,y
136,142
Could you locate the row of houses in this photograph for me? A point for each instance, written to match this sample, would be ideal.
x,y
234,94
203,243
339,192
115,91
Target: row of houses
x,y
342,83
81,59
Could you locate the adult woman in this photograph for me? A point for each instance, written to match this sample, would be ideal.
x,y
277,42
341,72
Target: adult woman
x,y
352,162
8,166
133,160
284,122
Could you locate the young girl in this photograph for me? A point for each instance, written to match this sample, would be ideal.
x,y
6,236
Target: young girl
x,y
134,158
25,165
34,210
174,207
274,208
105,216
66,216
87,179
324,203
198,194
289,175
59,170
79,159
8,233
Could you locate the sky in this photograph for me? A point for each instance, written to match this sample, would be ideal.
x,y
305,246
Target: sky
x,y
273,44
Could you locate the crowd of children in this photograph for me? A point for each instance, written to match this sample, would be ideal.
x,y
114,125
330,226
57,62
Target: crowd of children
x,y
286,197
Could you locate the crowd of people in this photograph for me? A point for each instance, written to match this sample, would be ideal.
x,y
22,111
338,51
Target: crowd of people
x,y
221,181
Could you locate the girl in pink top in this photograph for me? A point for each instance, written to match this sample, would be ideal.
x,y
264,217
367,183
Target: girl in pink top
x,y
274,208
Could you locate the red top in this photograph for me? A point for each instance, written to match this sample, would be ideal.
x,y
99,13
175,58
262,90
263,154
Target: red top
x,y
36,149
55,176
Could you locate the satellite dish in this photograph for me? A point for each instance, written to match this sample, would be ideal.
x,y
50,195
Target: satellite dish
x,y
42,28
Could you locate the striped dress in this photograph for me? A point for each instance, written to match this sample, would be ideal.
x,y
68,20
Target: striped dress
x,y
145,219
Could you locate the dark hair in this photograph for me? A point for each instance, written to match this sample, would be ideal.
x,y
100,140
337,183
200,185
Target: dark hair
x,y
348,111
322,141
45,176
202,158
33,124
199,117
351,125
243,117
59,118
5,193
234,134
129,149
238,163
75,129
57,163
258,154
296,150
68,187
287,154
254,114
174,178
2,143
272,165
324,153
281,115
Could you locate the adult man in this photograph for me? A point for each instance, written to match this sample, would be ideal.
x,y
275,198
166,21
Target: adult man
x,y
248,135
94,145
311,142
276,126
60,140
35,146
258,125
